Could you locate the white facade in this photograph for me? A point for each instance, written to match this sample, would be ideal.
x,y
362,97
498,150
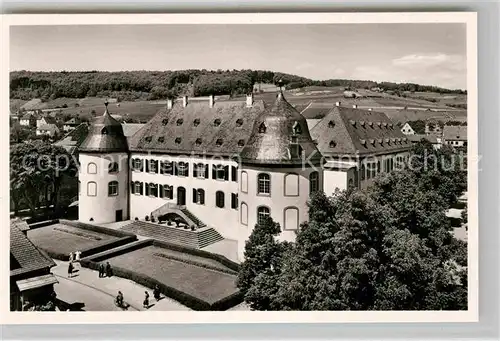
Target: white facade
x,y
407,130
98,201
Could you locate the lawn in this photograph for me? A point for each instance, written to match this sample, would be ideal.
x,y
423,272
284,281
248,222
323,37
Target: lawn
x,y
208,285
63,239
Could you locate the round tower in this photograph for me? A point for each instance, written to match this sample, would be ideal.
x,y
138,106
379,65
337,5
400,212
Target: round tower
x,y
104,172
280,167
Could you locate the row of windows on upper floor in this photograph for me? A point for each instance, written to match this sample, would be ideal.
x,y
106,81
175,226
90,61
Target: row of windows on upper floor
x,y
291,183
371,169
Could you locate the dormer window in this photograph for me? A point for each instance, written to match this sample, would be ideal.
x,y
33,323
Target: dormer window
x,y
149,138
333,144
178,140
161,139
380,141
262,128
180,121
362,123
370,124
104,131
219,142
198,141
241,143
164,121
353,123
217,122
379,124
372,141
239,122
363,142
297,129
331,124
196,122
385,125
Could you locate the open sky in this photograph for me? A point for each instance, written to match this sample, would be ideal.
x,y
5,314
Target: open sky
x,y
431,54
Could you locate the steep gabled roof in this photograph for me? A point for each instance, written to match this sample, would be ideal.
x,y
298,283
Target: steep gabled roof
x,y
455,133
220,130
25,253
347,131
49,120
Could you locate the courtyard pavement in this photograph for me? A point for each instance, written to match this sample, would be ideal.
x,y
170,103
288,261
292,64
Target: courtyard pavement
x,y
98,294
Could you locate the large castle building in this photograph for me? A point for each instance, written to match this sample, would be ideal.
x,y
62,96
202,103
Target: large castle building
x,y
228,164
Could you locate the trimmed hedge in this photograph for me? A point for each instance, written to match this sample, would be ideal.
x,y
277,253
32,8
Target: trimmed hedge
x,y
95,228
107,245
44,223
117,251
199,264
56,255
196,252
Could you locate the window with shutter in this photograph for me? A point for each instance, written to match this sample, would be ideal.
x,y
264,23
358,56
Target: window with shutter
x,y
147,165
219,199
234,201
132,187
141,184
226,173
147,189
201,195
234,173
206,171
160,191
194,195
141,162
214,172
195,170
174,168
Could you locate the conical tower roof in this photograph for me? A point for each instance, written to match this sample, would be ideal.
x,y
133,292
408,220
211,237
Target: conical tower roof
x,y
105,135
280,136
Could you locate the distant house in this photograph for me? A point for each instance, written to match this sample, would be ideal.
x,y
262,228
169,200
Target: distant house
x,y
455,136
433,128
264,87
45,120
31,282
352,94
415,138
407,129
28,120
47,129
71,124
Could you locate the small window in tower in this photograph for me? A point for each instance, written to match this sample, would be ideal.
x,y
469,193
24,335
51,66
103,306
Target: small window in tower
x,y
104,131
180,121
219,142
296,128
331,124
165,121
198,141
333,144
161,139
217,122
113,167
178,140
262,128
239,122
196,122
149,138
241,143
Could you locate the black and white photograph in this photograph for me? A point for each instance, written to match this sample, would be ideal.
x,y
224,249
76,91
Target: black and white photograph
x,y
249,166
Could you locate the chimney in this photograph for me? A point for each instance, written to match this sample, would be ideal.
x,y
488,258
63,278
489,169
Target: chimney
x,y
355,106
170,103
184,101
249,100
211,101
337,104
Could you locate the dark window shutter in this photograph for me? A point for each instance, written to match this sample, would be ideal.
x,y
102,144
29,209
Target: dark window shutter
x,y
195,170
194,195
132,187
161,191
142,165
174,167
234,174
147,165
141,191
202,197
156,166
171,192
161,167
214,172
147,189
233,200
186,172
226,173
206,171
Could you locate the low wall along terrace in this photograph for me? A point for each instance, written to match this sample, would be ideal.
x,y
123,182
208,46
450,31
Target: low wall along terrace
x,y
198,279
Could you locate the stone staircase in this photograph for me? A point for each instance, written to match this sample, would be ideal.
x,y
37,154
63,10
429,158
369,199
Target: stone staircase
x,y
193,218
180,211
195,239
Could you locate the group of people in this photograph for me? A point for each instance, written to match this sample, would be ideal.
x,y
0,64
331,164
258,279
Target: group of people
x,y
73,258
105,271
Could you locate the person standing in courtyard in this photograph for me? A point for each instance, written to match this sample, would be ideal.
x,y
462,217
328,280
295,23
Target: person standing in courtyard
x,y
146,300
156,293
70,269
101,270
108,270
